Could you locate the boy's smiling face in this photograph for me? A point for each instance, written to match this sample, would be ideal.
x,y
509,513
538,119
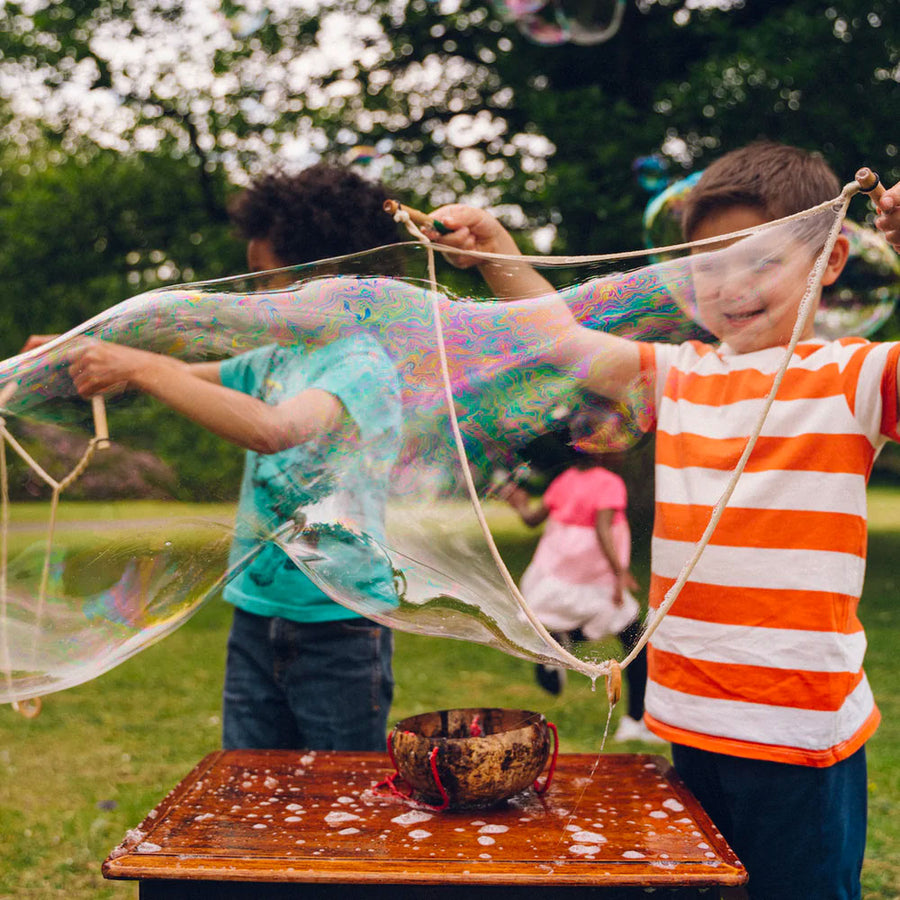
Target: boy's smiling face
x,y
748,291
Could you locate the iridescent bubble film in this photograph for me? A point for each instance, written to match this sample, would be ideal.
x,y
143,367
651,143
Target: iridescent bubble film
x,y
652,173
662,215
866,294
378,510
556,22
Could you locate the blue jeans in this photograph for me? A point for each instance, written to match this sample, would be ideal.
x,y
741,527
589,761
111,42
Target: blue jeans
x,y
800,831
306,685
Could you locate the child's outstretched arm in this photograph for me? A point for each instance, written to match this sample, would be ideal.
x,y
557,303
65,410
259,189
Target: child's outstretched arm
x,y
532,514
604,363
37,340
196,391
889,218
469,228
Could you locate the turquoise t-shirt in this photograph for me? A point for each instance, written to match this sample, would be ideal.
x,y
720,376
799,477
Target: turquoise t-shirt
x,y
338,483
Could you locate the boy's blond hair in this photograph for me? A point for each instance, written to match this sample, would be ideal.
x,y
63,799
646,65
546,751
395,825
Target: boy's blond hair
x,y
777,179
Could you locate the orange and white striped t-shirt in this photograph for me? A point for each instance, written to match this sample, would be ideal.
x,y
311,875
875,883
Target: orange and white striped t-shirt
x,y
761,655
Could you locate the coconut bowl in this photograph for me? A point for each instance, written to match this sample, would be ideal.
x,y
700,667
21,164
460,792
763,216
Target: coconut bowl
x,y
470,758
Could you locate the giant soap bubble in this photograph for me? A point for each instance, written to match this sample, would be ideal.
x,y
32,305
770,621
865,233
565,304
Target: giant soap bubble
x,y
388,513
555,22
663,213
866,294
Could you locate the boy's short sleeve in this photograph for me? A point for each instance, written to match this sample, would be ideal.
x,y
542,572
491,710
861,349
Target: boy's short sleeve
x,y
361,375
890,398
870,371
655,361
245,372
647,354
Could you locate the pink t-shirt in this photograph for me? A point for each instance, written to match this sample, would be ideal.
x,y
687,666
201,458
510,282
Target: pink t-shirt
x,y
576,496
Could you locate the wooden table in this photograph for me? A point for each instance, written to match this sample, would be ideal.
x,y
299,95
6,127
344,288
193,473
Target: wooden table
x,y
279,824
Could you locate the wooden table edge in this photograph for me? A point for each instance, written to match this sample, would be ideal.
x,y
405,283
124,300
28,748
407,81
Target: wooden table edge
x,y
124,864
700,878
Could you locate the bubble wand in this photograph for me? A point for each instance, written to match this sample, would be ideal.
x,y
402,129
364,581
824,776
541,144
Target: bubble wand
x,y
869,183
417,217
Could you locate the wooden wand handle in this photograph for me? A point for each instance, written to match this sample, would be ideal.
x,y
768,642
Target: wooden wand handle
x,y
869,183
614,682
417,217
101,429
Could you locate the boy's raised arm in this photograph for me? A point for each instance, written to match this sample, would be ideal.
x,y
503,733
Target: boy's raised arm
x,y
196,391
606,364
476,229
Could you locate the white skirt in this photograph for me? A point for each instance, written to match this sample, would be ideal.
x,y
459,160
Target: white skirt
x,y
569,583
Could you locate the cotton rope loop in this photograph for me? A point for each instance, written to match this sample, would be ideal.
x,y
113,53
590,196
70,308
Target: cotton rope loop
x,y
30,707
448,395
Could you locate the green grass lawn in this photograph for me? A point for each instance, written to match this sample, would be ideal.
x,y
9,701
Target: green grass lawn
x,y
101,755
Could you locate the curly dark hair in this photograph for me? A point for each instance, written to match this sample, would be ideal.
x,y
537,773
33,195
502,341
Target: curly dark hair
x,y
321,212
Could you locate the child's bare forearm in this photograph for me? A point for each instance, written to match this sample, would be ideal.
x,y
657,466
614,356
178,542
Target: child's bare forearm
x,y
477,231
532,514
240,418
195,391
624,578
232,415
515,280
602,525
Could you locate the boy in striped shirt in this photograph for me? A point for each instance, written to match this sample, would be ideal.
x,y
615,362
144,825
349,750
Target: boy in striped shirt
x,y
755,675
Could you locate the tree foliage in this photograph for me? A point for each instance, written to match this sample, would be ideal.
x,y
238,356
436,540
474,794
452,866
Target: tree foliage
x,y
461,102
82,232
126,122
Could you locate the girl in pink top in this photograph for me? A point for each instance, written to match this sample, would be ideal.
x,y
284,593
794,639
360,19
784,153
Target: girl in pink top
x,y
579,581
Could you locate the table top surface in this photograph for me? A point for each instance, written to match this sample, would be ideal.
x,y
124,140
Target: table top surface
x,y
283,816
